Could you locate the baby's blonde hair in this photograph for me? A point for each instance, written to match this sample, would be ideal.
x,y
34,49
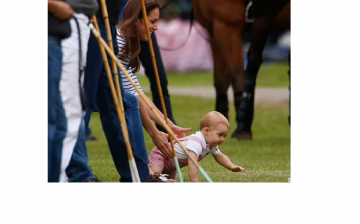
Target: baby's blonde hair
x,y
212,119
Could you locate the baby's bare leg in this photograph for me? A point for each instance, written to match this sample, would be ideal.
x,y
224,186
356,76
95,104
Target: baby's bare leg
x,y
153,170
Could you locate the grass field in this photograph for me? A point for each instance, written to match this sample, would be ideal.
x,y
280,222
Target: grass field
x,y
266,158
271,75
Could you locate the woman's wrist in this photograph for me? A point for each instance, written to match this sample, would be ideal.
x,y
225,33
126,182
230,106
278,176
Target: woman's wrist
x,y
152,130
170,123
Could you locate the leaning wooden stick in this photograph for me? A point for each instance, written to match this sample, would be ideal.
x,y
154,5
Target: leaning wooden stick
x,y
110,41
159,88
115,71
167,128
117,100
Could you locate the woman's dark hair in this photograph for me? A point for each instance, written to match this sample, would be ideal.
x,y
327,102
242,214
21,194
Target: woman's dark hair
x,y
132,12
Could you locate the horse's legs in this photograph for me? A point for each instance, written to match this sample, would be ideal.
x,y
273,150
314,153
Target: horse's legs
x,y
245,114
221,81
228,42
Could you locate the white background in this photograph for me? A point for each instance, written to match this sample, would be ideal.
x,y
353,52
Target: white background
x,y
324,140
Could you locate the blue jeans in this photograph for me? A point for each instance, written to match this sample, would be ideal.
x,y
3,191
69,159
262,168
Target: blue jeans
x,y
86,118
78,169
56,114
97,90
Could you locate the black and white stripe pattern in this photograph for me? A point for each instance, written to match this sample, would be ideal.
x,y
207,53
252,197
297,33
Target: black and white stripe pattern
x,y
125,82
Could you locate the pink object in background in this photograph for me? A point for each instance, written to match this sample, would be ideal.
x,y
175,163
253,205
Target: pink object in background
x,y
193,56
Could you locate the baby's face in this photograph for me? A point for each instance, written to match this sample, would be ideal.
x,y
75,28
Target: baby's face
x,y
215,135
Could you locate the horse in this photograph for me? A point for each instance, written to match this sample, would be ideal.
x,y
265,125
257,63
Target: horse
x,y
225,21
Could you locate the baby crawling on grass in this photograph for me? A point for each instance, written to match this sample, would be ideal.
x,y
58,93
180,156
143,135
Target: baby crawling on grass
x,y
213,129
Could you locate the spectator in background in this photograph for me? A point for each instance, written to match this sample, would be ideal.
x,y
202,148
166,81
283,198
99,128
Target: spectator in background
x,y
59,14
74,61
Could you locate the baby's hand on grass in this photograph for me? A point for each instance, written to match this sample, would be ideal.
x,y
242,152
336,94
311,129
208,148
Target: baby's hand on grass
x,y
237,169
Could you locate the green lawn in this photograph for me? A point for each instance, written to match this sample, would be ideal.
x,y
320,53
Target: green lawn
x,y
266,158
272,75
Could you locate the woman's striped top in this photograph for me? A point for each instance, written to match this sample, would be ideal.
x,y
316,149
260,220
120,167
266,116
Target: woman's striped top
x,y
125,82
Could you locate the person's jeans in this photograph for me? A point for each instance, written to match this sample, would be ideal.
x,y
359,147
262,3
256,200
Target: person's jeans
x,y
78,169
56,114
98,93
146,61
86,118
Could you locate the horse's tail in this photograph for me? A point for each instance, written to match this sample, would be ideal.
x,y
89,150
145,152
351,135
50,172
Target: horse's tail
x,y
192,18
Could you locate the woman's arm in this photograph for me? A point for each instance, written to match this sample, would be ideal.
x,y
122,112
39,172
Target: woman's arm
x,y
159,138
151,113
178,131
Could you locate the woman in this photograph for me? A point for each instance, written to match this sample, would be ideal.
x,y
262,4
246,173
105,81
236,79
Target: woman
x,y
146,62
98,95
130,31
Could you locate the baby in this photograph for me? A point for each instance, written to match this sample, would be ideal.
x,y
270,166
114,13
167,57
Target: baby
x,y
213,129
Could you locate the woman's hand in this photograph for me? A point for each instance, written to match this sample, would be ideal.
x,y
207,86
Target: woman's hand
x,y
160,140
179,131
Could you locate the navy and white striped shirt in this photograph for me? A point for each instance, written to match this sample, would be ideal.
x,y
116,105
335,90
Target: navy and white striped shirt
x,y
125,82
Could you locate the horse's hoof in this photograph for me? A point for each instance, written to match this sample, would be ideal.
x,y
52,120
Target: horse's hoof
x,y
242,135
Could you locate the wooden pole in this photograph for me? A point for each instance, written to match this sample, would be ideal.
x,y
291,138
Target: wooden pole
x,y
159,88
167,128
117,100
